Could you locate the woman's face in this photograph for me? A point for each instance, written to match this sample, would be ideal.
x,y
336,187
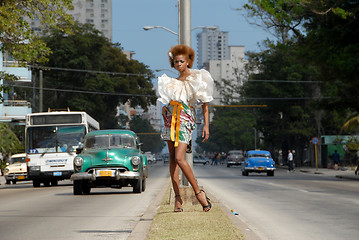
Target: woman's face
x,y
180,63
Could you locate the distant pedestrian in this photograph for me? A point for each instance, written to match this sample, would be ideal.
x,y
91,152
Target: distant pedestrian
x,y
290,161
336,159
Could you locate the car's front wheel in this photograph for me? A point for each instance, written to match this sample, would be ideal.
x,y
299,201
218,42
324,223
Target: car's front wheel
x,y
77,187
36,183
144,184
137,186
245,173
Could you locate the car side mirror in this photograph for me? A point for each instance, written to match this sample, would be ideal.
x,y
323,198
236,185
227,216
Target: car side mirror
x,y
79,150
139,145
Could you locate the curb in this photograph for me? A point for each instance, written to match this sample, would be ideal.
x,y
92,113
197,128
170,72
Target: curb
x,y
143,226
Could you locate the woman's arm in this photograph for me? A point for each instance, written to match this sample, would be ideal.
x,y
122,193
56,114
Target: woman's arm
x,y
205,133
165,111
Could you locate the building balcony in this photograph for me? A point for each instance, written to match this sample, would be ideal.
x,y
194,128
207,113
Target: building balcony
x,y
14,111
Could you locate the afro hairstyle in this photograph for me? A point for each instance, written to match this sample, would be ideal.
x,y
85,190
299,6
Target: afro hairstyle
x,y
181,50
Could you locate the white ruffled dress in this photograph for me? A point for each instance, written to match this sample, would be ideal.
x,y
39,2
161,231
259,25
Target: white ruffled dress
x,y
195,90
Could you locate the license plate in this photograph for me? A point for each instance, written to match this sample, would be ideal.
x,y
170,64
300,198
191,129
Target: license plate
x,y
260,168
237,162
21,177
57,173
103,173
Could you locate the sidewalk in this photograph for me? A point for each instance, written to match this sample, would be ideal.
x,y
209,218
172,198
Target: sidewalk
x,y
2,181
344,172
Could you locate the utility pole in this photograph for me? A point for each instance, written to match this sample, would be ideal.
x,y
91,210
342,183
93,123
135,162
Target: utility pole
x,y
184,37
41,92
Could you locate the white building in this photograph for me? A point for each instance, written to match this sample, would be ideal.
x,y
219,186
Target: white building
x,y
211,45
13,110
96,12
231,70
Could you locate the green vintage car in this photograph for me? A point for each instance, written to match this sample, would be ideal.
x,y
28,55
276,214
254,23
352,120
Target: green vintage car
x,y
110,158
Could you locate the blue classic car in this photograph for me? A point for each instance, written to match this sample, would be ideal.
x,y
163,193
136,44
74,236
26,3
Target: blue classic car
x,y
110,158
258,161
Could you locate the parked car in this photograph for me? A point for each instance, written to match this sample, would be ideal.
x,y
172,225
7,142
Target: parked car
x,y
235,157
198,158
110,158
150,157
17,169
258,161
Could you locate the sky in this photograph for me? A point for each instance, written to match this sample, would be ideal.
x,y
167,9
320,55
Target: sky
x,y
151,47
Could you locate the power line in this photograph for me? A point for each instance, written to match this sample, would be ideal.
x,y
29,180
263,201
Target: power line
x,y
88,92
88,71
284,81
147,95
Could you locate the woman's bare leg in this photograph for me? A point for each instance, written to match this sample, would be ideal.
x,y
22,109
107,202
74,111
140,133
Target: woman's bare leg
x,y
180,152
174,172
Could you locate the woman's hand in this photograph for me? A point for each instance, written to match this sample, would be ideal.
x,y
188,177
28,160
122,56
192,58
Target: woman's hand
x,y
164,113
205,133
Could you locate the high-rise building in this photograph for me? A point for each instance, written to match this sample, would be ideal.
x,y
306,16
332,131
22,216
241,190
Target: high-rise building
x,y
96,12
211,45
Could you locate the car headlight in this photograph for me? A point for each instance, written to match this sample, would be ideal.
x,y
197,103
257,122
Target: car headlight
x,y
135,160
78,161
6,170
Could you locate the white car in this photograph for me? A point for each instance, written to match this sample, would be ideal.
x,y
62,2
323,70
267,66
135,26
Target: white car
x,y
17,170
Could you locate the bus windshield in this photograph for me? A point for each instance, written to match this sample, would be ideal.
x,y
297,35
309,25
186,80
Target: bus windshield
x,y
54,139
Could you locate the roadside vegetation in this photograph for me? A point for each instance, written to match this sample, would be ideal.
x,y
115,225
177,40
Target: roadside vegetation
x,y
192,223
307,75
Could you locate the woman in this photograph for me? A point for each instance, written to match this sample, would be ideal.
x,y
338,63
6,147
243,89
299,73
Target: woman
x,y
181,95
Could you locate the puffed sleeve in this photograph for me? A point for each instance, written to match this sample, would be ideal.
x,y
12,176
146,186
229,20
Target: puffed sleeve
x,y
205,88
163,81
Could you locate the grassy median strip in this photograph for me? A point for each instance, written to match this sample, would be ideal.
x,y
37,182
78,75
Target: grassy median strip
x,y
192,223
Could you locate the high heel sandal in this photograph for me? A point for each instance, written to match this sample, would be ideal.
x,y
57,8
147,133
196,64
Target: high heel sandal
x,y
207,199
179,209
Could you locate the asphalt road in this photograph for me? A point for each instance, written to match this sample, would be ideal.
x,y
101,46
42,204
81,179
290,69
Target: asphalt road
x,y
55,213
289,205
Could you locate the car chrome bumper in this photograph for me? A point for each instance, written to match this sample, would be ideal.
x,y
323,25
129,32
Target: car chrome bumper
x,y
16,176
259,169
93,177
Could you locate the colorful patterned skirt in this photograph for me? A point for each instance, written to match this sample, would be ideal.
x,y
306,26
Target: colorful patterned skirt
x,y
180,123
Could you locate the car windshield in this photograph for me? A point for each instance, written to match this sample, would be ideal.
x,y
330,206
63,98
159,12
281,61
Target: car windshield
x,y
110,140
18,160
259,155
235,153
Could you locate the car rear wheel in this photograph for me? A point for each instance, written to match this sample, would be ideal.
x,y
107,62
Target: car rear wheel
x,y
228,165
137,186
13,182
270,173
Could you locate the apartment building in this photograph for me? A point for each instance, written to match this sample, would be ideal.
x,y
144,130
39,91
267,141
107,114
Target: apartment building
x,y
211,45
96,12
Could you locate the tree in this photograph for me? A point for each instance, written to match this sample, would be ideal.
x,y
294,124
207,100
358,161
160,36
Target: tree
x,y
325,34
9,144
231,128
148,135
17,38
88,50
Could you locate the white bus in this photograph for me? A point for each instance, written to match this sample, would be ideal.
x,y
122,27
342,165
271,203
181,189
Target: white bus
x,y
51,140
